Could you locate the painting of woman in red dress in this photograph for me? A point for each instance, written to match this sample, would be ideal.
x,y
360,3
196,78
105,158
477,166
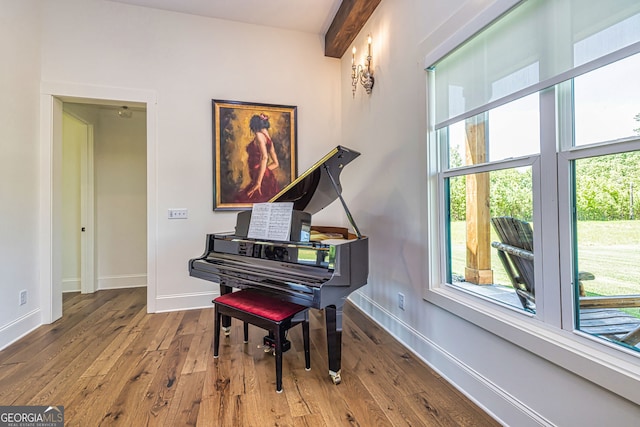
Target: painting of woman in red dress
x,y
262,161
254,152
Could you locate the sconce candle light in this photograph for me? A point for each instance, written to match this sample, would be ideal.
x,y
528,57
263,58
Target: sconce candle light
x,y
360,73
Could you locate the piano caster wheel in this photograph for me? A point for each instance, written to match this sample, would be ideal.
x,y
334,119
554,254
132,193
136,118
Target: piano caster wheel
x,y
226,330
335,377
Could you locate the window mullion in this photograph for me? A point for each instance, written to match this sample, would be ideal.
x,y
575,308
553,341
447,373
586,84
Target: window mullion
x,y
546,235
565,131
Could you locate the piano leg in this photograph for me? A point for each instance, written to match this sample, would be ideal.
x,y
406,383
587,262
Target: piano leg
x,y
226,320
333,318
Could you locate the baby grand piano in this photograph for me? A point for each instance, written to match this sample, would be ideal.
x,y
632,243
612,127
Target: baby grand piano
x,y
316,274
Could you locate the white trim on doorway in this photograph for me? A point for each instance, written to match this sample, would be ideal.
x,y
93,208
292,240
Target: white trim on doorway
x,y
51,96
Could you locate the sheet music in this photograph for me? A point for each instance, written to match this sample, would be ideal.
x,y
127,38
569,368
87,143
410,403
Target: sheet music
x,y
271,221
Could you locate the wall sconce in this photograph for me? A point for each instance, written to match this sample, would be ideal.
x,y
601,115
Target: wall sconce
x,y
361,73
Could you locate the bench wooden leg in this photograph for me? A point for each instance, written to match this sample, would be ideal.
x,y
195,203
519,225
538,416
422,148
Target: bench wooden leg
x,y
279,333
216,333
305,335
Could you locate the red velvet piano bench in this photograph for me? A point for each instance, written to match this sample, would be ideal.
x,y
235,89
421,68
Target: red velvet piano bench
x,y
268,313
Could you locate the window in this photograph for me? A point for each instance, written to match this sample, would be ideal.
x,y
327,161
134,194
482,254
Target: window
x,y
606,219
481,167
606,103
538,160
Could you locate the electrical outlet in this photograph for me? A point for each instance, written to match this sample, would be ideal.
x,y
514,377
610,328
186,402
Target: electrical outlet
x,y
178,213
401,300
23,297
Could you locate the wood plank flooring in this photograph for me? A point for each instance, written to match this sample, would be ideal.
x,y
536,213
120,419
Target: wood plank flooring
x,y
108,363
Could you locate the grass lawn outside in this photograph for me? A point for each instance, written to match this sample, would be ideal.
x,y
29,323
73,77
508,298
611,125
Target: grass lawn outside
x,y
608,249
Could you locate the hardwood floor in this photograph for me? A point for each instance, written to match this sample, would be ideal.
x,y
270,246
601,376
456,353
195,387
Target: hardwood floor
x,y
108,362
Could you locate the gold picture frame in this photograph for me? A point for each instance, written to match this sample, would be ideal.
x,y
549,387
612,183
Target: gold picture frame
x,y
243,133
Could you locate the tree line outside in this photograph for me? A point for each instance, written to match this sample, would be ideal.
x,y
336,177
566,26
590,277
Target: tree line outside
x,y
606,189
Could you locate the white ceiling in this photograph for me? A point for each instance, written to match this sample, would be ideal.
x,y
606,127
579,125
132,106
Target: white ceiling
x,y
310,16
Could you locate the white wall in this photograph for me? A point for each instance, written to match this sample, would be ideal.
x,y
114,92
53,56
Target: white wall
x,y
185,61
120,153
19,149
188,61
388,198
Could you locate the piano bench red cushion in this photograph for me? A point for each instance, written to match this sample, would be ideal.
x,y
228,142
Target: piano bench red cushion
x,y
260,305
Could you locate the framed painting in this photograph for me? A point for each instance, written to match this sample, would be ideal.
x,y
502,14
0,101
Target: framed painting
x,y
254,152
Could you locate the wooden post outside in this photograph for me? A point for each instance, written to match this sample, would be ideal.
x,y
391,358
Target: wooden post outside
x,y
478,268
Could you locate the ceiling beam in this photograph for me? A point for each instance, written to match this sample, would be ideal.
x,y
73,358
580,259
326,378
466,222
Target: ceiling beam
x,y
349,20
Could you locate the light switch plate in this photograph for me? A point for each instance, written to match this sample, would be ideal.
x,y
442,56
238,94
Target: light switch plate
x,y
178,213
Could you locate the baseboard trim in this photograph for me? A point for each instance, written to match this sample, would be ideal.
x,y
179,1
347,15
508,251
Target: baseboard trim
x,y
70,285
177,302
505,408
122,281
12,332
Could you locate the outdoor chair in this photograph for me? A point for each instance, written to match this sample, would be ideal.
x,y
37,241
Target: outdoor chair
x,y
515,251
599,315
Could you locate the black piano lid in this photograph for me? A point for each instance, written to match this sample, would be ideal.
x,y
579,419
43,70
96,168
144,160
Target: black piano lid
x,y
319,186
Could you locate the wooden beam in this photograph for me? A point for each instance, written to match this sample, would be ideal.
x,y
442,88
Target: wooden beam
x,y
478,268
349,20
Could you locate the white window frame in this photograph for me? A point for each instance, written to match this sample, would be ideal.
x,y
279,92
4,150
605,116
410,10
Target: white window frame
x,y
565,159
550,334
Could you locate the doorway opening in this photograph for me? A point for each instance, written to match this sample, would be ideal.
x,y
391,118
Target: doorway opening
x,y
103,196
124,188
